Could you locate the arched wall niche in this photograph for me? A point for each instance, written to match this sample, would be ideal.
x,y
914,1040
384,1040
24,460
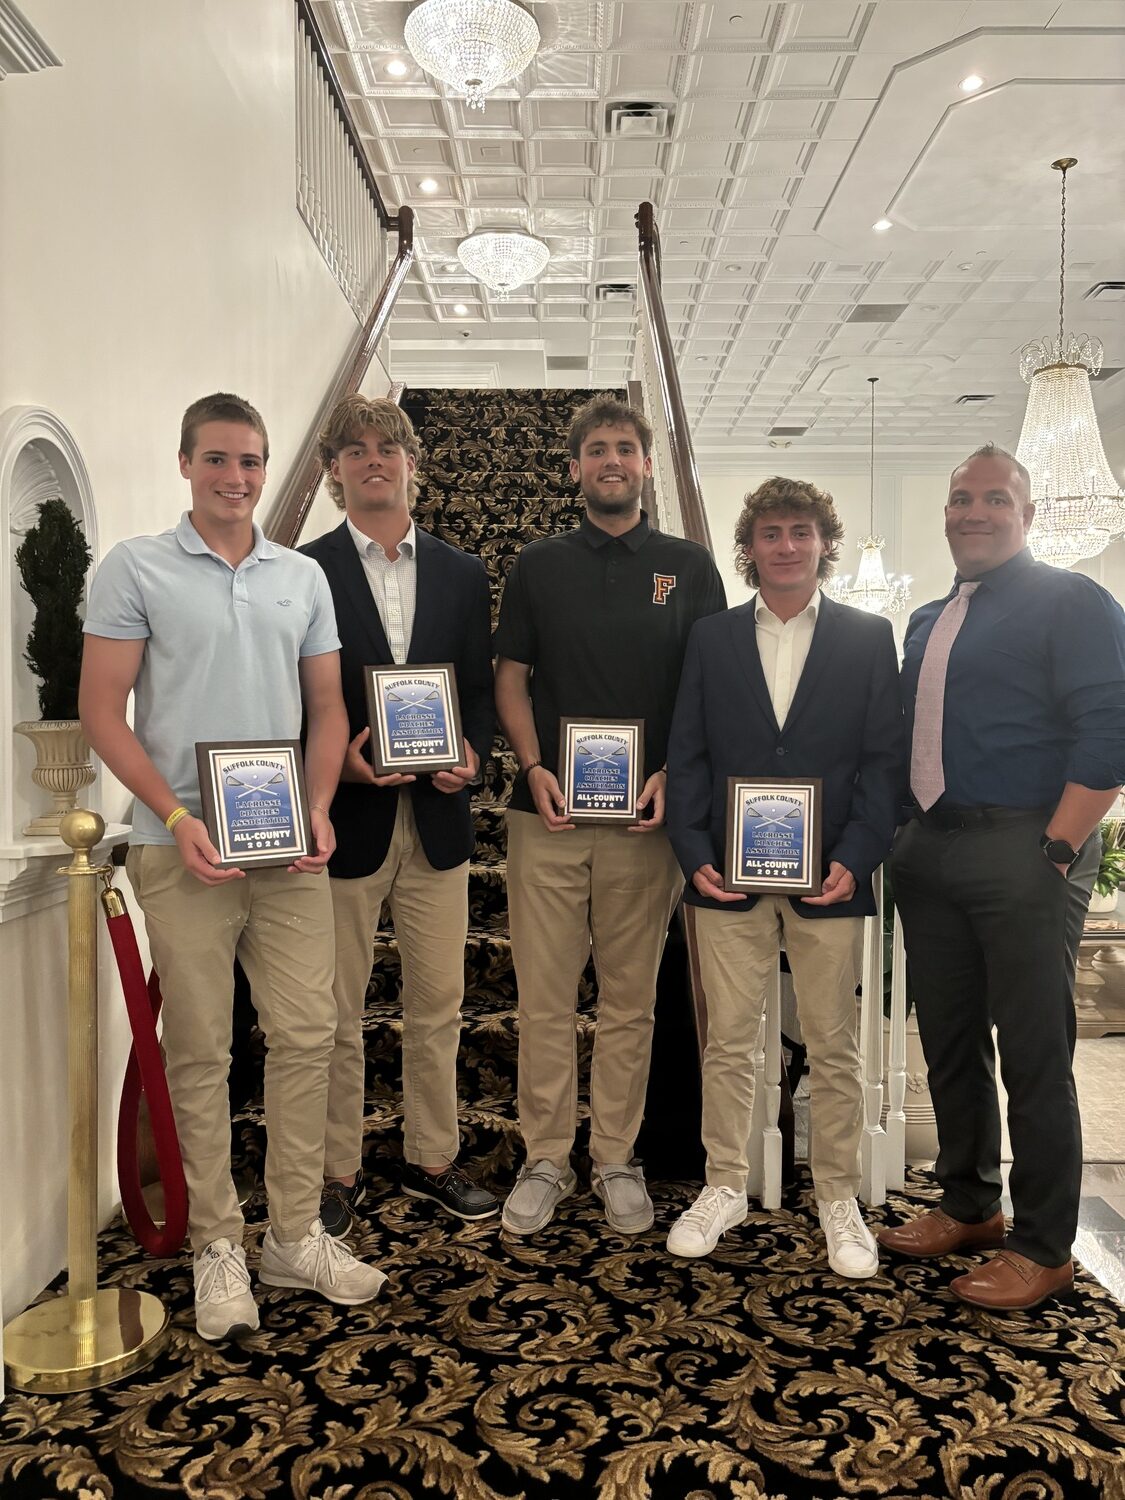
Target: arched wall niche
x,y
39,460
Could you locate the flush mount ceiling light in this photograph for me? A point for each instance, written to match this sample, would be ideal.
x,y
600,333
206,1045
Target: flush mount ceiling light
x,y
472,45
881,226
971,84
397,68
503,259
1079,507
873,590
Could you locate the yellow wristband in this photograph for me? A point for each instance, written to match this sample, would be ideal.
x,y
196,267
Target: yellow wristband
x,y
177,815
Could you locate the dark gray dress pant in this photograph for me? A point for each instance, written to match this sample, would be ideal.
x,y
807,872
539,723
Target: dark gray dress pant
x,y
992,931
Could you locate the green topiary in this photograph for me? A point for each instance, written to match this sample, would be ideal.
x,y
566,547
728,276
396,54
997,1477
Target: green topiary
x,y
53,559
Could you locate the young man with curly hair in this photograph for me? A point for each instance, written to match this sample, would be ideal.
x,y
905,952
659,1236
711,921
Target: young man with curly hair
x,y
789,684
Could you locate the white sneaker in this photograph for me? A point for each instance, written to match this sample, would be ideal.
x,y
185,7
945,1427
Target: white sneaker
x,y
621,1187
699,1230
852,1250
540,1188
318,1263
224,1303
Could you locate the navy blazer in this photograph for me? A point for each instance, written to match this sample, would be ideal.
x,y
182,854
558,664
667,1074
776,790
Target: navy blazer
x,y
452,622
844,725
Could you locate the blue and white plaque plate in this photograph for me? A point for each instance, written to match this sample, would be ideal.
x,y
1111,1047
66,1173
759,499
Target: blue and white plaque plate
x,y
773,836
254,801
415,719
601,763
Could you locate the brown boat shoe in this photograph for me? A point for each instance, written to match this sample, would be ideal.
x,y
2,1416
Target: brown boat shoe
x,y
934,1233
1009,1282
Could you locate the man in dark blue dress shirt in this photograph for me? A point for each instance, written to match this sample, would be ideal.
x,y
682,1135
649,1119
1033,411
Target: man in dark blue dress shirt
x,y
1014,687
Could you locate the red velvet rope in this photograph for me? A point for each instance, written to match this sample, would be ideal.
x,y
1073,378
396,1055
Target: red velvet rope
x,y
144,1074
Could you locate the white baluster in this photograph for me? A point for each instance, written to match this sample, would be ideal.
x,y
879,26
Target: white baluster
x,y
872,1155
896,1065
771,1135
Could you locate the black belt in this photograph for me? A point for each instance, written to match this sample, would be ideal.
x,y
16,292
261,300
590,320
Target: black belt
x,y
948,819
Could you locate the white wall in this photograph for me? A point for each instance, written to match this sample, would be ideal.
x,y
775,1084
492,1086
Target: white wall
x,y
152,252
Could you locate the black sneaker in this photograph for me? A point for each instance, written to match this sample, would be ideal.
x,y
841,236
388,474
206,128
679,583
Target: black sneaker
x,y
456,1192
338,1205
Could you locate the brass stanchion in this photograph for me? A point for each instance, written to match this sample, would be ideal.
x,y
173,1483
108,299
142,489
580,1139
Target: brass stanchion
x,y
83,1338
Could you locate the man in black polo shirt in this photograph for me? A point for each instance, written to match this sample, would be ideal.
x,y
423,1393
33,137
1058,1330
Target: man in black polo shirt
x,y
593,624
1014,686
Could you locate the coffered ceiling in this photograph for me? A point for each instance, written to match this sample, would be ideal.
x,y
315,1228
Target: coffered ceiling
x,y
785,131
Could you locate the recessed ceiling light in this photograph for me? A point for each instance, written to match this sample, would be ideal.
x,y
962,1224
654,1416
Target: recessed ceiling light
x,y
460,309
450,265
964,265
881,226
701,359
428,185
398,69
732,268
971,84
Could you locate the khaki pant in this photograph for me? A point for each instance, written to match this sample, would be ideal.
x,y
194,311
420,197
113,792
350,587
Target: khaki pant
x,y
430,911
737,952
614,892
280,927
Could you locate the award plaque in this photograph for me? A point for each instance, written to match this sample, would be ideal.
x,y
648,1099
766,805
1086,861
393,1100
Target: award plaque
x,y
601,762
254,802
773,836
415,719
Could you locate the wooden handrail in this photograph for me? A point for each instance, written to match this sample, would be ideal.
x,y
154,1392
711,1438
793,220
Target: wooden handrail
x,y
311,25
685,473
286,516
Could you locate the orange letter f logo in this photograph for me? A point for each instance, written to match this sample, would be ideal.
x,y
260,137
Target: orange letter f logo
x,y
662,586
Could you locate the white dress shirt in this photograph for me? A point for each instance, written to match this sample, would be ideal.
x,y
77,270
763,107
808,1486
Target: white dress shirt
x,y
394,587
783,646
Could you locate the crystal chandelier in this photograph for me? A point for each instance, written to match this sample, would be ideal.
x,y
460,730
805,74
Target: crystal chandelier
x,y
503,258
1079,507
874,589
472,45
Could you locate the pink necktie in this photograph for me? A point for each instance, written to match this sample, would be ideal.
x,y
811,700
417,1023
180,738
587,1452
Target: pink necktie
x,y
927,779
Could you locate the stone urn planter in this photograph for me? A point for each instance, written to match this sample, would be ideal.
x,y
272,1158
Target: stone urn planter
x,y
1101,905
62,768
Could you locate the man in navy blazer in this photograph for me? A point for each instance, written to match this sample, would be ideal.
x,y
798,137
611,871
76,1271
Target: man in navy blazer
x,y
789,684
401,596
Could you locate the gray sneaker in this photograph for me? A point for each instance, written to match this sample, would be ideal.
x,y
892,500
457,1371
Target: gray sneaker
x,y
318,1263
540,1188
224,1304
621,1187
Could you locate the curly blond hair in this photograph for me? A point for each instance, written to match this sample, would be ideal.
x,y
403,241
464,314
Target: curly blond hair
x,y
347,422
788,497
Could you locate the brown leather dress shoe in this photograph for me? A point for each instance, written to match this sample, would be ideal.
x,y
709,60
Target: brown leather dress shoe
x,y
1010,1282
935,1233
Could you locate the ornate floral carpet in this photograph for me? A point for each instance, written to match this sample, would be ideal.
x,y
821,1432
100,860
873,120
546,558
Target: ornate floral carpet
x,y
578,1364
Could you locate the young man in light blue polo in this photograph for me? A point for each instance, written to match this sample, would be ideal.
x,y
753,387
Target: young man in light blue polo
x,y
222,635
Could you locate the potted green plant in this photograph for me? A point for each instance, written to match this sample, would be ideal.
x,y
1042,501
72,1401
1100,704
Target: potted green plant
x,y
1111,871
53,560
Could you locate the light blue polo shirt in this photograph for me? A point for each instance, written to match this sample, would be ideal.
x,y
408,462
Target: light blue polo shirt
x,y
222,646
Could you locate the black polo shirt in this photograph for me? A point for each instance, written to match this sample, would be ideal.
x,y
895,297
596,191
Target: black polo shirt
x,y
603,622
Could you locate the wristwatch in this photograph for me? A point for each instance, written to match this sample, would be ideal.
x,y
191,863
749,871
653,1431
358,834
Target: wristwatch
x,y
1058,851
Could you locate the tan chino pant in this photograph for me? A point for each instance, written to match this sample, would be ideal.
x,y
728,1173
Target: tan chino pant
x,y
737,952
614,892
430,911
279,925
